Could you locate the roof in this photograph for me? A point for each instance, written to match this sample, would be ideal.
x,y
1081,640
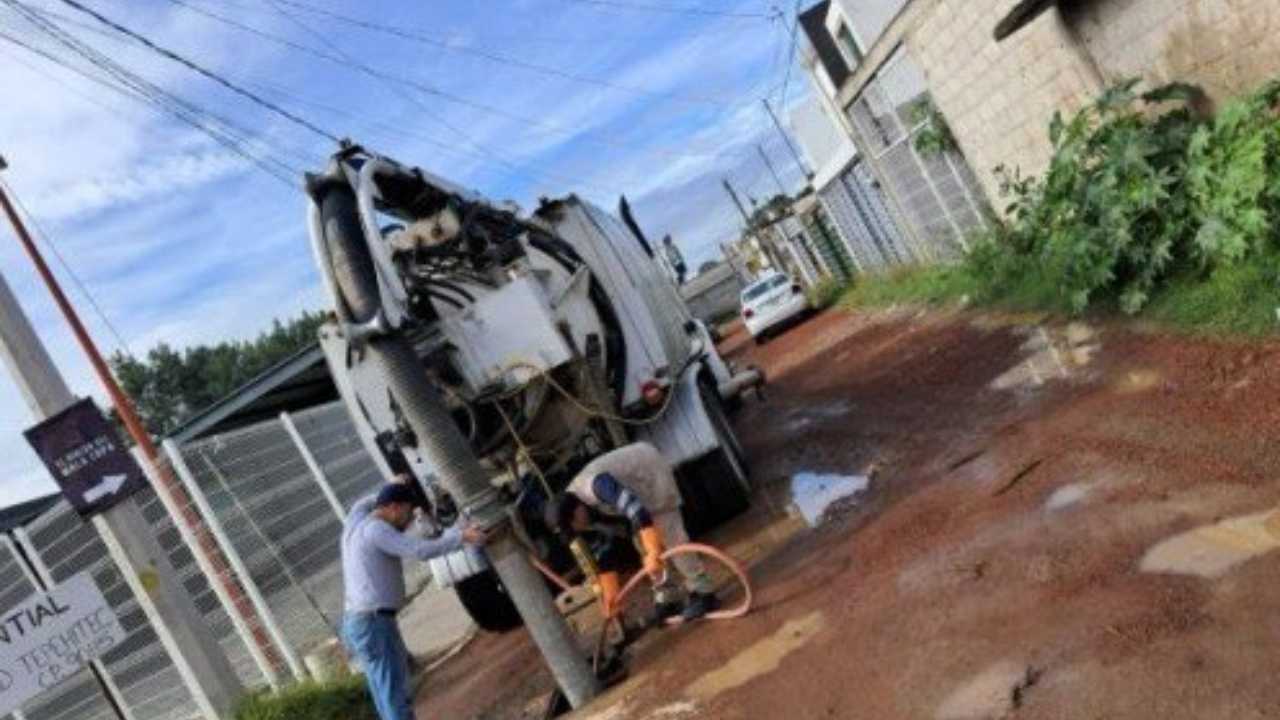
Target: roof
x,y
16,516
814,22
1021,15
298,382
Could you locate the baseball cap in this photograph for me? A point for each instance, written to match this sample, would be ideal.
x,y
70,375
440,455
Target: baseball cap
x,y
392,493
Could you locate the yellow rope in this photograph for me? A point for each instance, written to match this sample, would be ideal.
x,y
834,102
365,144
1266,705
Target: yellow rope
x,y
522,449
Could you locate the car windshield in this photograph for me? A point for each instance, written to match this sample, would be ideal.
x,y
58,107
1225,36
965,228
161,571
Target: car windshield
x,y
763,287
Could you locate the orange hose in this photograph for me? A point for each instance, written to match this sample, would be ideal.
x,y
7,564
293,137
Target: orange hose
x,y
734,566
551,574
723,558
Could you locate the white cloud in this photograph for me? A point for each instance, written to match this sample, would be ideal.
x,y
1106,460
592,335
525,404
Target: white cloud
x,y
184,242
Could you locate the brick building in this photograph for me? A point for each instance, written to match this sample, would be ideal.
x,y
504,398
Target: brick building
x,y
880,65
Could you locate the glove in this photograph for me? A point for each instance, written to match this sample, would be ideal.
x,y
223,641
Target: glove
x,y
610,585
651,541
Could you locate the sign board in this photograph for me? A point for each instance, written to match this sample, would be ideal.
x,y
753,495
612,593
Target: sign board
x,y
86,458
50,636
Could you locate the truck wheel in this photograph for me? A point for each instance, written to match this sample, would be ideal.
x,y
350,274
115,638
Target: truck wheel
x,y
714,487
487,602
724,432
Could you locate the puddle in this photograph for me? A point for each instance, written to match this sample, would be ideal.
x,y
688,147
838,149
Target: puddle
x,y
759,659
1211,550
993,694
1050,354
1067,495
813,493
801,419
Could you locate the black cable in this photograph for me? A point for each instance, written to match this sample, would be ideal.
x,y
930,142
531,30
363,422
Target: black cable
x,y
137,89
490,55
791,56
134,86
66,267
301,122
674,10
345,60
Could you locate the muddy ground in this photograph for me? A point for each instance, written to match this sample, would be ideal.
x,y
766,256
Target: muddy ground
x,y
1067,522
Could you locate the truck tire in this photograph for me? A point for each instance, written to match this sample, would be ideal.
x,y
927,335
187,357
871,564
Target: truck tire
x,y
488,604
719,416
714,488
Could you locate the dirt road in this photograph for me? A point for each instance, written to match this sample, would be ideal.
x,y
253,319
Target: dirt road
x,y
1068,522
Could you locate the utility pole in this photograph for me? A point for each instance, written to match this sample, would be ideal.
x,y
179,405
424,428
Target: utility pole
x,y
772,170
128,536
795,153
737,202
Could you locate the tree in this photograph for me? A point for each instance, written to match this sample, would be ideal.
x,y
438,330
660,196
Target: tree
x,y
168,385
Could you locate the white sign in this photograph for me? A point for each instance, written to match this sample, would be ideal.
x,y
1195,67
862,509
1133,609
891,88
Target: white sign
x,y
50,636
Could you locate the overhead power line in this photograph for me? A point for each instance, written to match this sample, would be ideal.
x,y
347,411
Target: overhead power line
x,y
513,167
121,80
673,9
791,55
496,57
215,77
66,267
354,64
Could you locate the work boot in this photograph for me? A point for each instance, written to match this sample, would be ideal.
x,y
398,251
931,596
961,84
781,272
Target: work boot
x,y
699,605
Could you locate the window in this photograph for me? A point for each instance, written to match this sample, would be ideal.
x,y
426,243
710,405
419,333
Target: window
x,y
848,45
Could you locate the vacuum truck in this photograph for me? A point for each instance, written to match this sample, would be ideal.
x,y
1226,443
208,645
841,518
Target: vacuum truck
x,y
549,339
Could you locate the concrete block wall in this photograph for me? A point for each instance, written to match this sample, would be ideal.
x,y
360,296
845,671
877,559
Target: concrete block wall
x,y
1227,46
999,97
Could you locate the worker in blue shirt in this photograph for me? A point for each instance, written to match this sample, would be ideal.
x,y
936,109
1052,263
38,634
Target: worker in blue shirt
x,y
373,546
632,490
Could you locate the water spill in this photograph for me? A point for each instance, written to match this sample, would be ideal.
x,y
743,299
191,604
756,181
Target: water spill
x,y
800,419
1066,496
992,694
813,493
759,659
1212,550
1050,354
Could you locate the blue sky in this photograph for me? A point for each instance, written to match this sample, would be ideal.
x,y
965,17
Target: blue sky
x,y
182,241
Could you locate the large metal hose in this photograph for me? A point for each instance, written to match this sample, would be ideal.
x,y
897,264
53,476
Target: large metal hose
x,y
444,447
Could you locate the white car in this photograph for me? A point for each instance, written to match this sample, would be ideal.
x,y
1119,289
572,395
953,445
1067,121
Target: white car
x,y
770,303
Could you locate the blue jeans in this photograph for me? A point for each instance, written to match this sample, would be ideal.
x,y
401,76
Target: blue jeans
x,y
375,641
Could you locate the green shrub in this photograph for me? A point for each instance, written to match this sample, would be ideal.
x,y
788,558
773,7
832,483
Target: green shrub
x,y
1110,215
345,699
1234,178
826,293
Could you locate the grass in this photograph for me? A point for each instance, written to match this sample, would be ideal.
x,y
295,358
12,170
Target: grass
x,y
911,285
345,699
1239,300
1233,300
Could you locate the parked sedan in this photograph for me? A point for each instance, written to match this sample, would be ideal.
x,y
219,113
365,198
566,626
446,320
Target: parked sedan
x,y
770,303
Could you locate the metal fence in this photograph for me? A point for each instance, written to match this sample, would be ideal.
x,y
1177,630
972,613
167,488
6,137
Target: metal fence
x,y
262,492
937,193
276,515
60,544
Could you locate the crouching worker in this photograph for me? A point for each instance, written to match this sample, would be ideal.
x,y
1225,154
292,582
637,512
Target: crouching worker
x,y
373,545
632,490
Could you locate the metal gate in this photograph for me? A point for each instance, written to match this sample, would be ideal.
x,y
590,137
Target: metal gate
x,y
858,209
938,194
